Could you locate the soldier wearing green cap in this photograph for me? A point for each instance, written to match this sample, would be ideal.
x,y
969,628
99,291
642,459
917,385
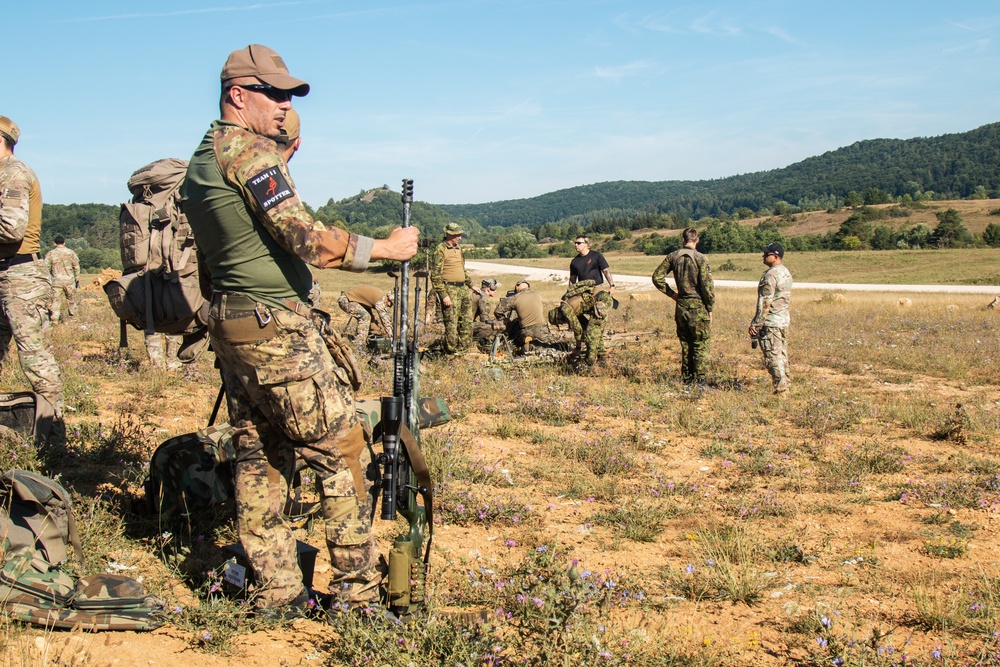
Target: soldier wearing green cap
x,y
452,285
289,377
25,283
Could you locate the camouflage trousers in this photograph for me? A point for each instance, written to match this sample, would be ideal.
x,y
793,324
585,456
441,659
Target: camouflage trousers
x,y
694,330
25,295
362,317
457,319
539,334
287,397
483,331
589,328
163,357
62,289
774,344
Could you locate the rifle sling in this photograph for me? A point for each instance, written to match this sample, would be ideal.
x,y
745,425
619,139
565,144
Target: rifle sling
x,y
423,475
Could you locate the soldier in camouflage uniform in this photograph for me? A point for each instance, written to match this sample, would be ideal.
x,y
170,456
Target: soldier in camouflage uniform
x,y
25,284
695,297
484,302
64,267
582,312
770,322
452,284
288,375
361,303
529,325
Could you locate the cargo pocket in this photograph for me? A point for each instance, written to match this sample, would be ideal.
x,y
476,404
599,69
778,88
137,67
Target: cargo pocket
x,y
40,294
296,400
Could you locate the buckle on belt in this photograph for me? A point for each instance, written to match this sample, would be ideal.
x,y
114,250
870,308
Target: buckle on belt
x,y
263,314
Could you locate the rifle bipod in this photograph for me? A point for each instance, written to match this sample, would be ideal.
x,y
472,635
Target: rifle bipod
x,y
501,346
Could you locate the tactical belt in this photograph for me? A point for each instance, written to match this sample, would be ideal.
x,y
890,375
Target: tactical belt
x,y
236,301
236,318
17,259
454,284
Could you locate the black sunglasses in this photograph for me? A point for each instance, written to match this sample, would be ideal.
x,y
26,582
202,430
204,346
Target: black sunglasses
x,y
276,94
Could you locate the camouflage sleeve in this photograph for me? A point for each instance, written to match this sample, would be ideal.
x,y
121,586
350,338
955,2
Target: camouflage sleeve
x,y
437,271
15,188
48,261
765,294
505,306
660,276
706,286
252,164
76,267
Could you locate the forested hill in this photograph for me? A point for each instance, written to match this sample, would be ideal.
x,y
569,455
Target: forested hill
x,y
951,166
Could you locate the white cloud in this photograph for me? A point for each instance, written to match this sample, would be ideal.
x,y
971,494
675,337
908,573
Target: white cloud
x,y
619,72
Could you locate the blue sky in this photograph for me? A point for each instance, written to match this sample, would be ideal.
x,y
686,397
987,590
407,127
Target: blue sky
x,y
484,100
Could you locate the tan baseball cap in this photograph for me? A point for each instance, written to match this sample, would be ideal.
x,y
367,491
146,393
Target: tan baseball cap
x,y
10,128
266,65
291,129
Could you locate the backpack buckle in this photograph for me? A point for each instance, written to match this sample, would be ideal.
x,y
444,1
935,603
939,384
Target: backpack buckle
x,y
263,314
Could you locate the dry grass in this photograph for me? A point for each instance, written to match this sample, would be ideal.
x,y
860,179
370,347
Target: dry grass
x,y
845,522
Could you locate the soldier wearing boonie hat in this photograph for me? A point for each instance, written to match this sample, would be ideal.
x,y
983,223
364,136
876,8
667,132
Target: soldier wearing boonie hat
x,y
25,284
258,241
452,285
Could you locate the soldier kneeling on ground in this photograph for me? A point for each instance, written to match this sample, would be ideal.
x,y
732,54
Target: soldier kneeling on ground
x,y
484,324
525,314
371,312
587,317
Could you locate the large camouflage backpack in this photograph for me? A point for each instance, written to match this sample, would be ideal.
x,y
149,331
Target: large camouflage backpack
x,y
37,531
159,290
191,472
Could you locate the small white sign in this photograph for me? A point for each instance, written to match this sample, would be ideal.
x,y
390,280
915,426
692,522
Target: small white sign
x,y
234,573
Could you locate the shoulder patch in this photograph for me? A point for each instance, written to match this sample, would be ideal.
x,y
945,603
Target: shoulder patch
x,y
269,188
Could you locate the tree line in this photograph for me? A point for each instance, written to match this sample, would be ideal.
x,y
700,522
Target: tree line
x,y
861,176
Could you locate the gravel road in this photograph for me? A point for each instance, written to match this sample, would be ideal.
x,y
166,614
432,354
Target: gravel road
x,y
639,283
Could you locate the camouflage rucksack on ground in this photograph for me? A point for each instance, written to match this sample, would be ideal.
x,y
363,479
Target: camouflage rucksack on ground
x,y
37,529
191,472
194,471
160,290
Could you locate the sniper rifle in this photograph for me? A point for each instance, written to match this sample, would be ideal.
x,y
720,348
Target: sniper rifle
x,y
404,472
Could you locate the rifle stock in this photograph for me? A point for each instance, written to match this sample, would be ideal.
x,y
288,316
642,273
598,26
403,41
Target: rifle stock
x,y
409,557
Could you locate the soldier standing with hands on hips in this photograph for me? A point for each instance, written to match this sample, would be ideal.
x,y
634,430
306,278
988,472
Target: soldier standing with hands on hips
x,y
591,265
289,377
770,323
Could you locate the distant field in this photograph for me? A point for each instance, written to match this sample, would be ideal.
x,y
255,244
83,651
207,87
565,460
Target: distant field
x,y
976,214
889,267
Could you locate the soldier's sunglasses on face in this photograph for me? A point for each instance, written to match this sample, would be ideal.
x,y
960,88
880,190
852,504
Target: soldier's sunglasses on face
x,y
275,94
579,243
